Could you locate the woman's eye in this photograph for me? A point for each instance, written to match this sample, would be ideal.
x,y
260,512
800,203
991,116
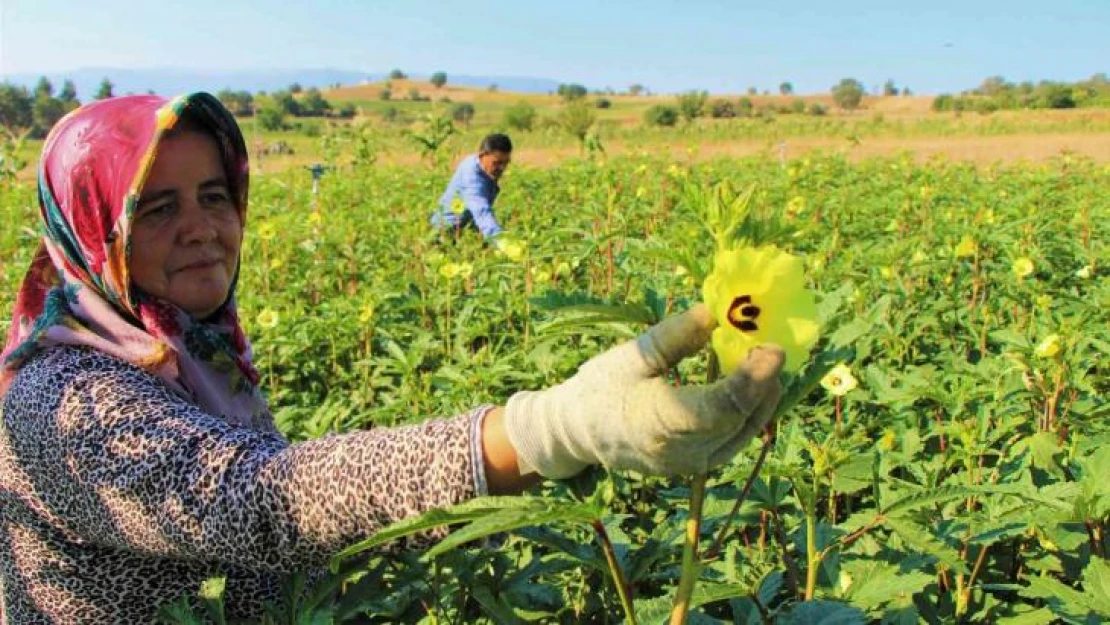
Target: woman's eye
x,y
157,210
216,198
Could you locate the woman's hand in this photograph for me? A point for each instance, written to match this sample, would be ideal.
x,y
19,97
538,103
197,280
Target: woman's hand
x,y
618,411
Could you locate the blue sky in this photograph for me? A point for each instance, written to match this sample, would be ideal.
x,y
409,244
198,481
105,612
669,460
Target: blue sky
x,y
723,46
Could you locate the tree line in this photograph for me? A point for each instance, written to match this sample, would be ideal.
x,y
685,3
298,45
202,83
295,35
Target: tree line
x,y
35,111
997,93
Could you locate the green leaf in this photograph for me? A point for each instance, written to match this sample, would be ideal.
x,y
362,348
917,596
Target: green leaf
x,y
500,611
919,539
1039,616
1096,584
876,583
514,513
1044,449
945,494
511,519
823,613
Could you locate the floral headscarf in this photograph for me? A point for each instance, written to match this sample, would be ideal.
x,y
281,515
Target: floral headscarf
x,y
78,290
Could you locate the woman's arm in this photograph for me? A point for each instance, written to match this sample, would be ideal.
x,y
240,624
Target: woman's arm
x,y
502,472
124,463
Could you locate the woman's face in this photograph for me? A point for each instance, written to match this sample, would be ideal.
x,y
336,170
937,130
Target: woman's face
x,y
186,231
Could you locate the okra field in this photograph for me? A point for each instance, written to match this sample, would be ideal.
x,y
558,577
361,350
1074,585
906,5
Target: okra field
x,y
965,479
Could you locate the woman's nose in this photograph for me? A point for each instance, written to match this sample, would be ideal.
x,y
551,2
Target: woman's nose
x,y
196,225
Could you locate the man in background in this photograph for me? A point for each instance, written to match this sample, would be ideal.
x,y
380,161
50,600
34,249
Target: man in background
x,y
468,200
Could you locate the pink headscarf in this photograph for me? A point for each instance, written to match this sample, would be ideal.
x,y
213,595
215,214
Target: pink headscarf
x,y
78,289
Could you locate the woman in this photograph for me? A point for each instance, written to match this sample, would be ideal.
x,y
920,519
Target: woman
x,y
137,455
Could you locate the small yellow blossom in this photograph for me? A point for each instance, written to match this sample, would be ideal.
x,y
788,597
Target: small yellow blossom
x,y
1022,268
886,272
1049,347
796,206
640,192
366,313
511,249
888,441
919,257
458,207
1043,302
839,381
276,263
449,270
1084,272
267,319
266,231
966,247
541,276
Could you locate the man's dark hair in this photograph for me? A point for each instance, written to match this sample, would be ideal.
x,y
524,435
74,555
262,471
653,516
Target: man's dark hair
x,y
496,142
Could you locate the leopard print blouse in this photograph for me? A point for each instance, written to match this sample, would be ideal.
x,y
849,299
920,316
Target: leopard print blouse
x,y
118,496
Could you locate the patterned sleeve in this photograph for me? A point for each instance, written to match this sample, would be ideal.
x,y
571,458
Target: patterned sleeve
x,y
132,465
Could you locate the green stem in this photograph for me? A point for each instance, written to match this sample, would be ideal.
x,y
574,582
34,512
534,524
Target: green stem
x,y
813,560
615,569
768,440
690,568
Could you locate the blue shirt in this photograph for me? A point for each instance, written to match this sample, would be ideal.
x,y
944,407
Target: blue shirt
x,y
478,191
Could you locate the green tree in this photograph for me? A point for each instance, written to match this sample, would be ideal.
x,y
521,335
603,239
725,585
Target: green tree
x,y
44,88
576,118
889,88
848,93
635,89
16,107
240,103
438,79
68,94
285,101
993,86
104,90
313,104
786,88
520,116
661,115
463,112
270,117
722,109
46,112
571,92
296,88
397,74
691,105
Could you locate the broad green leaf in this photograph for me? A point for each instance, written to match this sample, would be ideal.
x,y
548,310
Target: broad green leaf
x,y
919,539
823,613
874,584
1096,584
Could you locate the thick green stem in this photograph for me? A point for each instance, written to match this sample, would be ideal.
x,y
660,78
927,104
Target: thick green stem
x,y
690,568
813,559
618,574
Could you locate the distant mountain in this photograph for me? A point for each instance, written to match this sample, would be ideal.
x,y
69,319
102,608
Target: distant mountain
x,y
171,81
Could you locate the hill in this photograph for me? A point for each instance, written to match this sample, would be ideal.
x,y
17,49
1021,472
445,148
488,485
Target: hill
x,y
171,81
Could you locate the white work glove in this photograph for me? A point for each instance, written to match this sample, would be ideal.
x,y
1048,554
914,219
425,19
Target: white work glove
x,y
617,411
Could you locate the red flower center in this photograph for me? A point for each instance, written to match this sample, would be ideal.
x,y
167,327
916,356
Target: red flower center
x,y
742,314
